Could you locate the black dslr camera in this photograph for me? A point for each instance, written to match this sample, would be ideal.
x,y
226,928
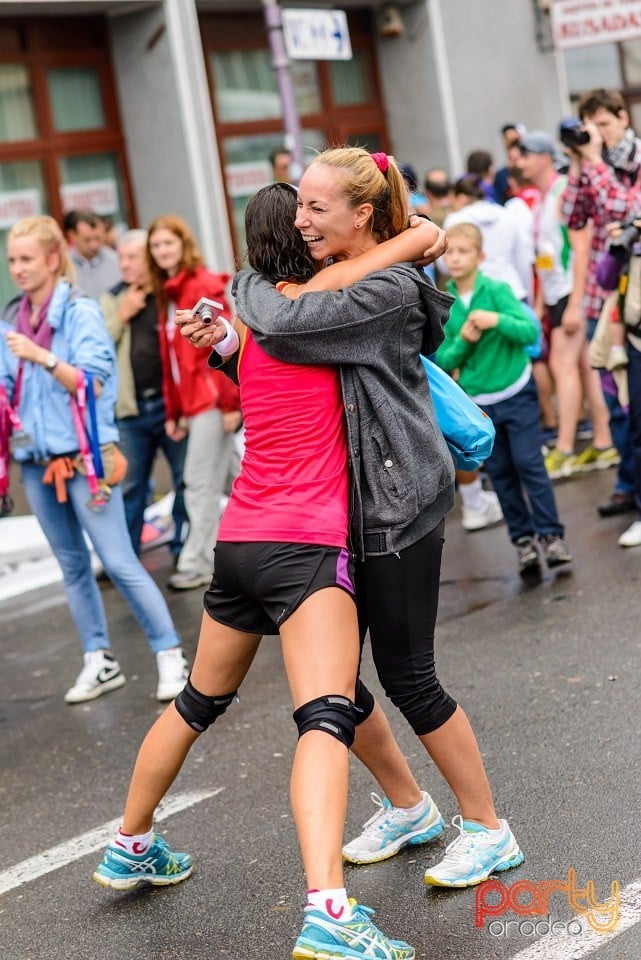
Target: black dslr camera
x,y
621,246
572,133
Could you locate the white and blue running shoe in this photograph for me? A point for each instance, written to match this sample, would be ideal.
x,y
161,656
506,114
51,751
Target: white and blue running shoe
x,y
158,866
392,828
474,855
322,938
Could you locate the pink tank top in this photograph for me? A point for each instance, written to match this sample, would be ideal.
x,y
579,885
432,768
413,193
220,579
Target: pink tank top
x,y
294,480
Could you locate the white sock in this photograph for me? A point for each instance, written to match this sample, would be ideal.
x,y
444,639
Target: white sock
x,y
332,902
472,494
413,811
134,843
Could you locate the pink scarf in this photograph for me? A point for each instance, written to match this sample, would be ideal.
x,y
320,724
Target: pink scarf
x,y
41,334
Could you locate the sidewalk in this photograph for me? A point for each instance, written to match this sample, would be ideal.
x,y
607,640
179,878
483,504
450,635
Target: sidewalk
x,y
26,560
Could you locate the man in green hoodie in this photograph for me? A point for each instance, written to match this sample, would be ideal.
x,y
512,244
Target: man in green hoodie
x,y
485,342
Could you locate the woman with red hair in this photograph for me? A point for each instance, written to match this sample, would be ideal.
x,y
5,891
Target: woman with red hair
x,y
197,399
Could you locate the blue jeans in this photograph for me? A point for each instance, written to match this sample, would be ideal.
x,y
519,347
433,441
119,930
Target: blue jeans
x,y
634,387
516,467
140,439
63,525
620,430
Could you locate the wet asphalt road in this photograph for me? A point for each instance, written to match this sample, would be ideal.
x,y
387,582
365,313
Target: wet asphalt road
x,y
549,675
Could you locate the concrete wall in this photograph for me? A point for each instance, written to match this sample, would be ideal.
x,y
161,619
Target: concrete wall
x,y
410,93
151,119
496,71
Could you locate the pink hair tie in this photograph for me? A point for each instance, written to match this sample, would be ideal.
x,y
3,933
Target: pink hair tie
x,y
381,160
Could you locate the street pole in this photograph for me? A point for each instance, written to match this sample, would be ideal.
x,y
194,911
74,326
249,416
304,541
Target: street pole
x,y
280,63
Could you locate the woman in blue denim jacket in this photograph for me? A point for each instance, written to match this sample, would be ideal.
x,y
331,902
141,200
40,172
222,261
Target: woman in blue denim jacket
x,y
54,343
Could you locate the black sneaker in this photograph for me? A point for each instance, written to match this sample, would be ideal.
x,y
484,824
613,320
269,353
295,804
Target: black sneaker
x,y
528,556
617,504
555,551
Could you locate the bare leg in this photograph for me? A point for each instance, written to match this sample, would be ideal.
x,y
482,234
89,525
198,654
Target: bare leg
x,y
321,651
454,750
596,403
565,354
376,748
222,660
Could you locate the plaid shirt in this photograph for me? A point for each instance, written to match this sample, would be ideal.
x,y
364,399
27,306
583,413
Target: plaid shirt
x,y
600,196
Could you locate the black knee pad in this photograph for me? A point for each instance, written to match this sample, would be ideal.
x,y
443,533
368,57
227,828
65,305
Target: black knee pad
x,y
332,714
363,701
199,711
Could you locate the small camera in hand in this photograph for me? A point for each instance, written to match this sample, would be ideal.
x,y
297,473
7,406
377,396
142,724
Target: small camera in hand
x,y
621,245
573,134
207,310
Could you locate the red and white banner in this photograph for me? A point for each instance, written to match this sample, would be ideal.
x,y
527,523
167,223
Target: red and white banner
x,y
16,204
579,23
101,196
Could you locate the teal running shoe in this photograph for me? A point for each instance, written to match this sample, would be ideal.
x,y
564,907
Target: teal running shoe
x,y
158,866
392,828
474,855
322,938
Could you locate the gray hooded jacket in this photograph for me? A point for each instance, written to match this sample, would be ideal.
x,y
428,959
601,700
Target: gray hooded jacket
x,y
402,470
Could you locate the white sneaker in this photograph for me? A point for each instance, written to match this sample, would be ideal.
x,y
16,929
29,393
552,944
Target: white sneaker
x,y
485,515
172,673
632,536
392,828
474,855
100,674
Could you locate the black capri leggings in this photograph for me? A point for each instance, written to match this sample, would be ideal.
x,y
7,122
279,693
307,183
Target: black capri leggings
x,y
397,598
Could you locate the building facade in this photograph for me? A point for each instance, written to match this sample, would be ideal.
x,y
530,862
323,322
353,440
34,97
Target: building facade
x,y
138,108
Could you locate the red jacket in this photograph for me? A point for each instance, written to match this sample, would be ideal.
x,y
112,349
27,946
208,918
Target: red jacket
x,y
197,387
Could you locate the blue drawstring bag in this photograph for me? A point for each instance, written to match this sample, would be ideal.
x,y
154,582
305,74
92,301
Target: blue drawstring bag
x,y
469,433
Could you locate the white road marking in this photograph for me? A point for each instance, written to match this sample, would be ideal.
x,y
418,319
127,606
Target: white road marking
x,y
96,839
569,947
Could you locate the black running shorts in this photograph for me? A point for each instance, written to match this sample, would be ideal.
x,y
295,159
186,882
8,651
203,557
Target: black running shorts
x,y
257,586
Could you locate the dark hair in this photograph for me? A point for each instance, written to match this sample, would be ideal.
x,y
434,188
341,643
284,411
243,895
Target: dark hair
x,y
274,247
516,174
610,100
509,126
438,186
409,176
277,153
479,161
72,218
469,186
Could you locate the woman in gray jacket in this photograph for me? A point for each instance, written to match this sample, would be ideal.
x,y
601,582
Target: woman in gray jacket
x,y
402,481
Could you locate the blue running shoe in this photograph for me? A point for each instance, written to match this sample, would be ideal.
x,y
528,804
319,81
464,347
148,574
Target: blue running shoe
x,y
323,938
158,866
392,828
474,855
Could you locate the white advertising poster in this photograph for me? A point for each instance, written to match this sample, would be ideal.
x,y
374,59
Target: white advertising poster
x,y
101,196
15,204
579,23
316,34
244,179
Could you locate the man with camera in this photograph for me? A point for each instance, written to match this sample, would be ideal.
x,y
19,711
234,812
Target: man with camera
x,y
559,255
603,186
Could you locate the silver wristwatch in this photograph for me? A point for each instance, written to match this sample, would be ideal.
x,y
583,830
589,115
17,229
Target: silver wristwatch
x,y
51,362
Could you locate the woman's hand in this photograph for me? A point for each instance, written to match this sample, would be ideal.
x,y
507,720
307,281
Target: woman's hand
x,y
437,248
176,430
198,333
25,349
